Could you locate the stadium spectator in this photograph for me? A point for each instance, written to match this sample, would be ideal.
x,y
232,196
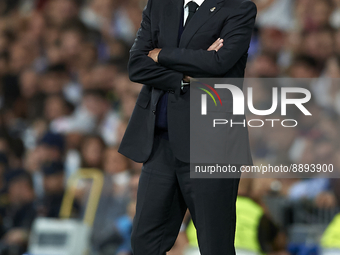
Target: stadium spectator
x,y
66,99
53,182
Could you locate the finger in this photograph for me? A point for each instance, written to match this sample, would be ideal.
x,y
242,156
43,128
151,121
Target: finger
x,y
216,42
214,45
219,47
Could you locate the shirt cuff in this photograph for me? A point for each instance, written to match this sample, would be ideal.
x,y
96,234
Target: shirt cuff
x,y
184,84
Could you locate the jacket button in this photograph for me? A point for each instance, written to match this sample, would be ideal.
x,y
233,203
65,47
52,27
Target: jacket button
x,y
154,112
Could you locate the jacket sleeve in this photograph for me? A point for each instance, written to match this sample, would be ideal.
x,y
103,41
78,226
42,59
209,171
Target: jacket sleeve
x,y
236,34
143,69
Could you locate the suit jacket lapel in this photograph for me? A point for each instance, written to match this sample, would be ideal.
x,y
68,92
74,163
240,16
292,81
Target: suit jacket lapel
x,y
208,9
171,22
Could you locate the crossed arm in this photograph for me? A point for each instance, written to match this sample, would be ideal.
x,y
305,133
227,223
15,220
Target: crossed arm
x,y
142,69
165,68
214,47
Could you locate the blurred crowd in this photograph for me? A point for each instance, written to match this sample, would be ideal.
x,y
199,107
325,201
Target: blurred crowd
x,y
66,98
299,39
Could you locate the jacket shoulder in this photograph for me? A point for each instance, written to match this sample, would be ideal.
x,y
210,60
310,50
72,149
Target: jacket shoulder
x,y
238,3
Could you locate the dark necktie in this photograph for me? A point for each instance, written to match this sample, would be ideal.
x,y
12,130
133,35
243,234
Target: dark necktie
x,y
192,9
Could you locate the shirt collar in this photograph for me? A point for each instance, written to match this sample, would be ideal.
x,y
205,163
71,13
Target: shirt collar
x,y
199,2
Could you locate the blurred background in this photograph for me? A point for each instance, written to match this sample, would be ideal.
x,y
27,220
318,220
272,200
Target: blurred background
x,y
65,101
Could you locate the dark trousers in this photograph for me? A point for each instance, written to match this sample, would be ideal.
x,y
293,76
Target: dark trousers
x,y
166,190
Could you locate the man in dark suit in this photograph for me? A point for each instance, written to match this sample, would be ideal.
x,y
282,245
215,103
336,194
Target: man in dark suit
x,y
178,40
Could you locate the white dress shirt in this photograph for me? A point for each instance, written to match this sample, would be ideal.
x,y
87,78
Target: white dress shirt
x,y
186,8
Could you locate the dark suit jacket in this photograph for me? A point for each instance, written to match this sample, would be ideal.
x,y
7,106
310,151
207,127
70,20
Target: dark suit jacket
x,y
232,20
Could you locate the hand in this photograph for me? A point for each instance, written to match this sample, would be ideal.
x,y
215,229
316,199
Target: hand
x,y
186,78
216,45
154,54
